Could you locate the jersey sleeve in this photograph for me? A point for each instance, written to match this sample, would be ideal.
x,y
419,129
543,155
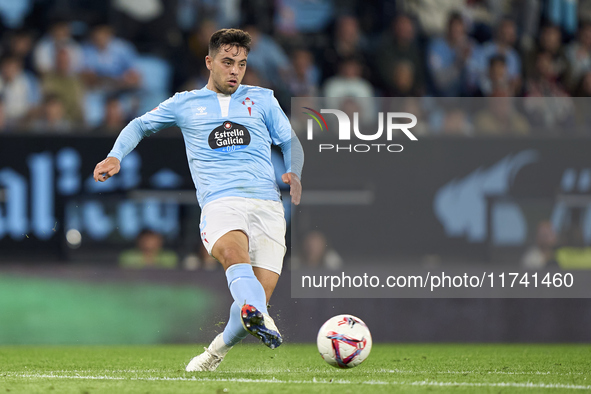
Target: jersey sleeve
x,y
157,119
277,122
161,117
283,136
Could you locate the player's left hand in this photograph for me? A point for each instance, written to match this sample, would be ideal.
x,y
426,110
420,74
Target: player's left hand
x,y
295,189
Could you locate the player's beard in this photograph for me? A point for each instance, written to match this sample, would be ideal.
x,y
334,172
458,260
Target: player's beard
x,y
225,88
230,89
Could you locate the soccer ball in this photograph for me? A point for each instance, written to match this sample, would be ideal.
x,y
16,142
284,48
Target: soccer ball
x,y
344,341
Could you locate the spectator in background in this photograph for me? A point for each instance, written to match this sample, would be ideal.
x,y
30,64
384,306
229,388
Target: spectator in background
x,y
304,79
543,81
45,52
267,58
347,41
404,83
456,123
200,259
149,253
3,125
302,16
578,54
350,106
64,83
199,80
399,45
317,254
527,14
500,118
447,117
582,113
573,251
253,78
584,10
52,117
541,255
584,86
20,92
546,113
349,83
482,16
14,12
114,120
433,15
109,62
562,13
449,58
190,63
20,44
496,79
198,40
551,44
505,39
149,24
414,106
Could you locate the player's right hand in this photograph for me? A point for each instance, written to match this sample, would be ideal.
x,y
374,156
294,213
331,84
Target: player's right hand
x,y
106,169
295,186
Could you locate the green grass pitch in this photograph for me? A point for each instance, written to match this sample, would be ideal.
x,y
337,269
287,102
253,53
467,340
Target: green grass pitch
x,y
250,368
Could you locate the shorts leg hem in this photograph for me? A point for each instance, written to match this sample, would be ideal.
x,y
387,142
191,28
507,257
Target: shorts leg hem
x,y
221,233
268,268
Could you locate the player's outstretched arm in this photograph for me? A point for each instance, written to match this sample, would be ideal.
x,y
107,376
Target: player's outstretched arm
x,y
295,189
157,119
106,169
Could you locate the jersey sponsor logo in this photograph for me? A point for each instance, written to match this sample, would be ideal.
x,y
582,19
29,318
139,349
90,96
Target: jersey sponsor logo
x,y
201,111
229,137
249,103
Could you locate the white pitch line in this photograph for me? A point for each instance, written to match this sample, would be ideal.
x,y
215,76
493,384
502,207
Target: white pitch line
x,y
494,372
313,381
268,371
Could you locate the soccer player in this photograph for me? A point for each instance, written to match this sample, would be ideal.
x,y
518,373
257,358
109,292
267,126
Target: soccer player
x,y
228,130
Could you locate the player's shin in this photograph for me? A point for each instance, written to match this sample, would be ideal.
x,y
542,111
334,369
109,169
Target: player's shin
x,y
245,287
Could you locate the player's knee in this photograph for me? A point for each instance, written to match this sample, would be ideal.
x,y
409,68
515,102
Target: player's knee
x,y
231,255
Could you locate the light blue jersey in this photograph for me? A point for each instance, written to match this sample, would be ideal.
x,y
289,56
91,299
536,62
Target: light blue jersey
x,y
227,138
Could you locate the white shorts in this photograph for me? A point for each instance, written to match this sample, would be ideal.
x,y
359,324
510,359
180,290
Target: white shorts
x,y
262,221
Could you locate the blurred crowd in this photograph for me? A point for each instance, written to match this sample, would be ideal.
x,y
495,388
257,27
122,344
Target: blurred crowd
x,y
83,66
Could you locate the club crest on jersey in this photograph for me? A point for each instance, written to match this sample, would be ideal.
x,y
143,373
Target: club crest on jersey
x,y
249,103
229,137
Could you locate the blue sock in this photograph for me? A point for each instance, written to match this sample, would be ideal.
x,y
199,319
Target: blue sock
x,y
245,287
234,331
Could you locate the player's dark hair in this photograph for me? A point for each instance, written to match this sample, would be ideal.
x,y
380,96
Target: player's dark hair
x,y
233,37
